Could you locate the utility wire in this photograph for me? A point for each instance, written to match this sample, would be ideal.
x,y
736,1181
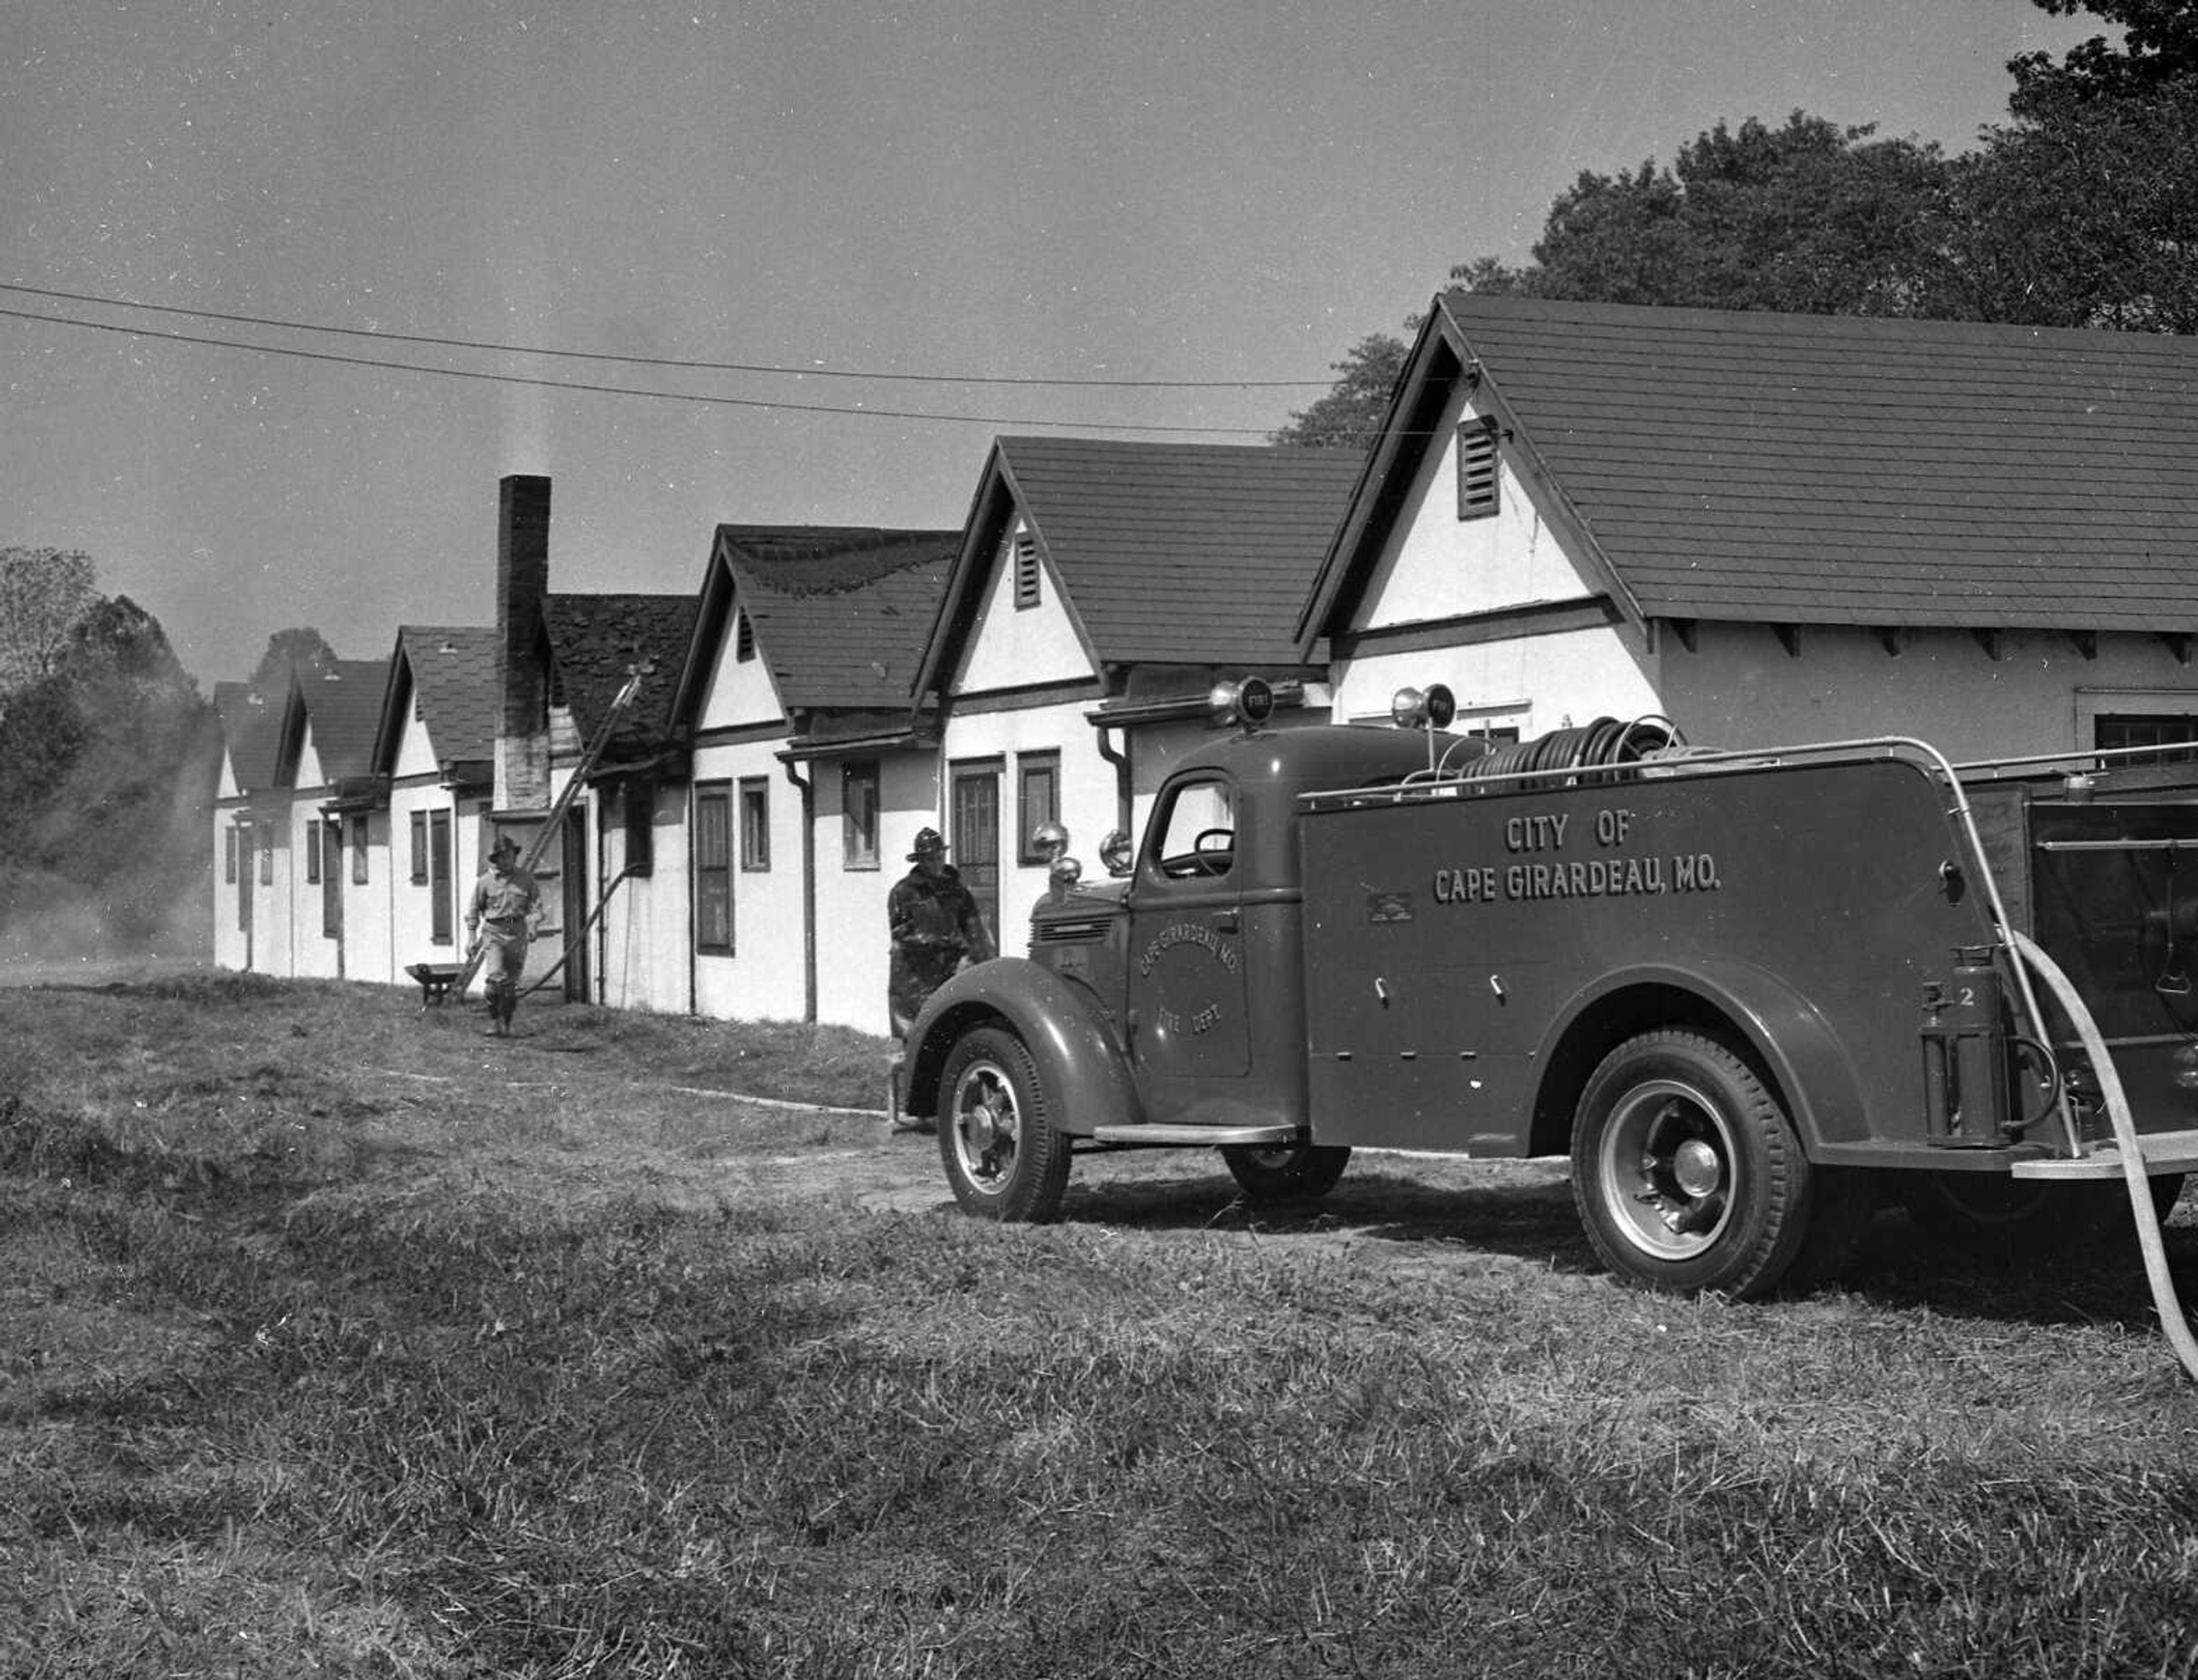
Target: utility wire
x,y
1012,424
668,361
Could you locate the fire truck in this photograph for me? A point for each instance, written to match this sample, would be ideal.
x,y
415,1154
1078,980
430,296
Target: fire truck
x,y
1750,994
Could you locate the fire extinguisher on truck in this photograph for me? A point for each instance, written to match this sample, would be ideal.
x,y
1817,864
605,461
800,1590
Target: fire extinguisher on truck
x,y
1747,993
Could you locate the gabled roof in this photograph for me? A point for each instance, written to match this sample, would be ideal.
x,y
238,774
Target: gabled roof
x,y
597,641
453,670
343,699
1184,553
1829,469
252,724
839,612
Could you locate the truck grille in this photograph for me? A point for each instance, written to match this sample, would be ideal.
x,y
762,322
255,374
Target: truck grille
x,y
1083,930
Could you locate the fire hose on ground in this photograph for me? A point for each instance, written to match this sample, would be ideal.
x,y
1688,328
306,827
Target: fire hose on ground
x,y
2127,1145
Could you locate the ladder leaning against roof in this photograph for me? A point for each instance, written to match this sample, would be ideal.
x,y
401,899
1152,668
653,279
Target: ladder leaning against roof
x,y
624,699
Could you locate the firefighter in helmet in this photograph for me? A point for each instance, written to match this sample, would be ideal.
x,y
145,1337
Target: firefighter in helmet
x,y
936,927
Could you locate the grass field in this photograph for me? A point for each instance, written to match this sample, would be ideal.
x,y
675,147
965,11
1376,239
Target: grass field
x,y
336,1339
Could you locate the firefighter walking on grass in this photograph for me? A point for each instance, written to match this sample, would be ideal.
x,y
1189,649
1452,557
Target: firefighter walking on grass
x,y
499,918
936,926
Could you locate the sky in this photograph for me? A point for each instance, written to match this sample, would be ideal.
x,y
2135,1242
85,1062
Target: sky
x,y
1207,198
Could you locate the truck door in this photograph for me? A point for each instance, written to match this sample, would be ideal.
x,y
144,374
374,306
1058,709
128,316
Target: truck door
x,y
1186,987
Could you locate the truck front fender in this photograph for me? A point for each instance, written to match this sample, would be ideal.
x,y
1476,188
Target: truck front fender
x,y
1087,1077
1787,1034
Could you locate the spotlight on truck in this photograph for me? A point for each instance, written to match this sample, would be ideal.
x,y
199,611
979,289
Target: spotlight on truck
x,y
1428,708
1249,702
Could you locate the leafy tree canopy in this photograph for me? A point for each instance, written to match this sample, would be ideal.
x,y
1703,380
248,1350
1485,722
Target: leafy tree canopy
x,y
2158,48
304,647
43,593
1350,415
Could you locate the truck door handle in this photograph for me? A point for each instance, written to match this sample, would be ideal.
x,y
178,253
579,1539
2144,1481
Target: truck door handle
x,y
1228,921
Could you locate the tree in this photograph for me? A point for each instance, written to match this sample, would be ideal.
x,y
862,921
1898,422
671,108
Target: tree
x,y
2085,213
1350,415
2158,48
106,763
1809,216
304,648
43,592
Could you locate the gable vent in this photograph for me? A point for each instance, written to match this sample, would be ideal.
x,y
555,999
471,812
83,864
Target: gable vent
x,y
1476,469
1025,570
743,638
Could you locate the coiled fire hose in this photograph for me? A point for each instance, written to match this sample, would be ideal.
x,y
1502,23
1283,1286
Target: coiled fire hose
x,y
2164,1299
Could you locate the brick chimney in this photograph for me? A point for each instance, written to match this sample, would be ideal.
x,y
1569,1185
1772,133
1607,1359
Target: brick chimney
x,y
522,579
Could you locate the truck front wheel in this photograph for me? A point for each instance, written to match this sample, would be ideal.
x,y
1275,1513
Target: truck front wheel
x,y
1686,1170
1285,1171
1004,1156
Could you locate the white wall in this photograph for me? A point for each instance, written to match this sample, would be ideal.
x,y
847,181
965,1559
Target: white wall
x,y
1011,647
761,977
1740,687
1533,683
853,946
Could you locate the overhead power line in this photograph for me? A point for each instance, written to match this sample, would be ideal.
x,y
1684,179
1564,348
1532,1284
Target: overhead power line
x,y
668,361
1015,423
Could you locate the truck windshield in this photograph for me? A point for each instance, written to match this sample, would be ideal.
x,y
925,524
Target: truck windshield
x,y
1195,834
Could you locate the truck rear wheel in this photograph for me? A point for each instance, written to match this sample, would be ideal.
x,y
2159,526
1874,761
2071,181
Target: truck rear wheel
x,y
1686,1170
1004,1156
1285,1171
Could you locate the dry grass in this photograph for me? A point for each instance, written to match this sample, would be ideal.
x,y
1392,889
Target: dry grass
x,y
336,1339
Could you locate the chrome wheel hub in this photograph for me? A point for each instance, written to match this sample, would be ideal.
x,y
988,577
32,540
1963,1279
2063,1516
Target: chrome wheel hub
x,y
1665,1169
984,1125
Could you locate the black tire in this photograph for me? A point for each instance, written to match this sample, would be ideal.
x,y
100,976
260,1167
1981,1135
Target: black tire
x,y
1285,1171
1995,1214
1003,1156
1686,1170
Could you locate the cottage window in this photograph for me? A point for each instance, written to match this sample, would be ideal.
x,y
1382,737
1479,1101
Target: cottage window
x,y
755,824
228,854
419,848
744,637
312,854
1477,475
2175,734
639,828
858,815
438,876
332,879
267,858
1037,792
714,875
358,851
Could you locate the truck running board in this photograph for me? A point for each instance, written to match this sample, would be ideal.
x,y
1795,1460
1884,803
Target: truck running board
x,y
2163,1152
1196,1136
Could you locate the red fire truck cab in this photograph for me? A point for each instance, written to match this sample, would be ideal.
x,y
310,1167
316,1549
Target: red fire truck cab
x,y
1747,993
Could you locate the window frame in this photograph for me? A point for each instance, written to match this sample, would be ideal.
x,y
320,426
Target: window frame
x,y
312,851
1028,766
709,873
860,845
359,868
419,848
267,856
754,813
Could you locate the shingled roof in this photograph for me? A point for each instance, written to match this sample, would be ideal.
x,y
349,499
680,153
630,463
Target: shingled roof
x,y
1181,554
839,614
1829,469
252,730
452,669
343,699
597,641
